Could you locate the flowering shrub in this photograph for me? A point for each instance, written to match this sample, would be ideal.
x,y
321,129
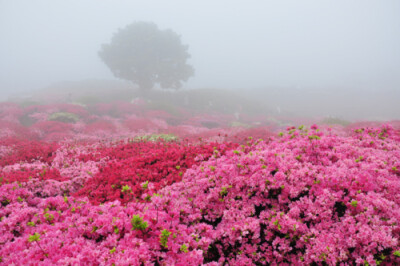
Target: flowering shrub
x,y
54,108
24,174
61,230
319,196
52,130
100,125
64,117
255,133
10,112
157,137
22,150
13,129
130,164
304,198
116,120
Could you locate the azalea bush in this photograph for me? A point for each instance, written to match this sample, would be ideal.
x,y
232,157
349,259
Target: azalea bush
x,y
302,198
58,122
131,166
64,117
23,150
299,198
129,185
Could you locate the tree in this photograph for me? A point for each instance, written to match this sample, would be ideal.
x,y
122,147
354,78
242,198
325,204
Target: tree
x,y
146,55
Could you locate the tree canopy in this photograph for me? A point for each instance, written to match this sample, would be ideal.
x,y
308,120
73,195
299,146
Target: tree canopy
x,y
146,55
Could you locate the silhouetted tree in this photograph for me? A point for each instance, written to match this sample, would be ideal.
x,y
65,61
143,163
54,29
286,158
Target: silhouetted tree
x,y
146,55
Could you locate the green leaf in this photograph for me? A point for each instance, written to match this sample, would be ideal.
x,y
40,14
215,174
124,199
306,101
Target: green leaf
x,y
145,185
184,248
112,250
164,238
138,223
126,188
34,237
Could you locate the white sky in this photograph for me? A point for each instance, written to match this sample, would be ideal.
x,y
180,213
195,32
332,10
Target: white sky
x,y
234,44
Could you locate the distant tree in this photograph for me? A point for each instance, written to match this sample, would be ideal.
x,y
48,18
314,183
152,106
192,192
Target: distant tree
x,y
146,55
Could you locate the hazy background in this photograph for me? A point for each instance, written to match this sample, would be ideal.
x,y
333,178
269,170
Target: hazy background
x,y
346,52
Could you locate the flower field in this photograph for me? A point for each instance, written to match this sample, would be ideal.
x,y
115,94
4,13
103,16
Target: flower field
x,y
124,184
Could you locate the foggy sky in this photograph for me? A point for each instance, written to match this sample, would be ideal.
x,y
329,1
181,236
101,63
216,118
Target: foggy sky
x,y
234,44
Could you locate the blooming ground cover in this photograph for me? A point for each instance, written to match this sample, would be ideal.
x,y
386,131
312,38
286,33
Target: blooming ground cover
x,y
121,184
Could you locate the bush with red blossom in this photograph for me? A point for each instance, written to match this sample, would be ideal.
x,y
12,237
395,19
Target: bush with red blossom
x,y
23,150
100,126
52,130
245,135
30,174
131,164
10,111
14,129
139,124
306,197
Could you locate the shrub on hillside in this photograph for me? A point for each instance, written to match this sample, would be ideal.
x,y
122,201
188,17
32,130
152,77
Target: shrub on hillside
x,y
302,198
157,137
23,150
131,164
63,117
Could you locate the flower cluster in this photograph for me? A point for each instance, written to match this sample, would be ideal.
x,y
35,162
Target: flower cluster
x,y
130,184
23,150
63,230
307,196
130,164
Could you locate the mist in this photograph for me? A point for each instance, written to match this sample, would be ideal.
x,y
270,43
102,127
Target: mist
x,y
323,58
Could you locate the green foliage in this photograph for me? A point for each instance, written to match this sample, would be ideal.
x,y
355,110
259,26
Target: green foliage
x,y
276,223
30,223
313,137
157,137
184,248
164,238
145,185
126,189
112,250
116,230
138,223
335,121
63,117
146,55
49,217
239,124
223,192
34,237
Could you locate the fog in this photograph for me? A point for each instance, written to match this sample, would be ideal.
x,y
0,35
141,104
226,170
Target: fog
x,y
305,56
